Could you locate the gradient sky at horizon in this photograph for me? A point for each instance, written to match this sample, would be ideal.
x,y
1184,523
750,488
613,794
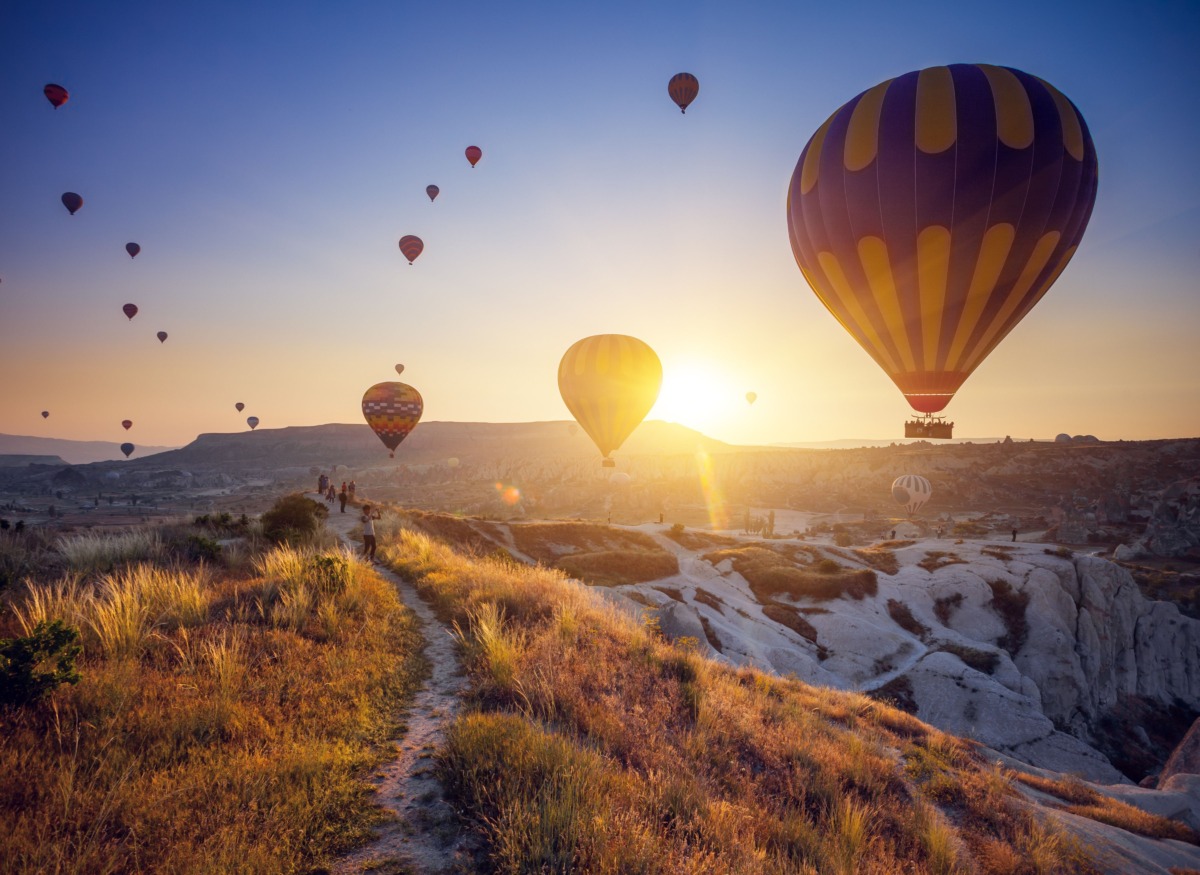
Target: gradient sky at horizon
x,y
267,157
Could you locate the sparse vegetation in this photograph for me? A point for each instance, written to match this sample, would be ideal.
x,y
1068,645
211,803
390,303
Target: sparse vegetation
x,y
602,748
998,551
789,617
294,519
944,607
695,540
772,572
935,559
96,551
1010,605
981,660
599,555
705,597
203,737
904,618
1059,552
880,558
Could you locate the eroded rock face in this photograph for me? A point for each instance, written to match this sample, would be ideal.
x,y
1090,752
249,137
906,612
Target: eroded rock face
x,y
1185,760
1173,529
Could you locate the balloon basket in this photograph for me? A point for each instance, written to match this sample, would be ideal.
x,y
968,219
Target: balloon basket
x,y
608,463
929,426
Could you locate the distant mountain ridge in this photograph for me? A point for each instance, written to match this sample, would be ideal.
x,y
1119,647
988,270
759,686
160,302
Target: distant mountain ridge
x,y
71,452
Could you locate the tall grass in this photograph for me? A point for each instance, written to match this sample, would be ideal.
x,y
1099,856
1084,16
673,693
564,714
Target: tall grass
x,y
203,738
592,745
92,551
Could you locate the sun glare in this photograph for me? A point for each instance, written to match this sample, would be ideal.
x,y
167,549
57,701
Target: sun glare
x,y
697,395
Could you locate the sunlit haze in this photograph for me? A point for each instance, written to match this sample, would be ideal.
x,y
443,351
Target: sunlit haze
x,y
268,157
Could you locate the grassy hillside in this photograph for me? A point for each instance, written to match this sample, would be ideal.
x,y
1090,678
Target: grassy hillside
x,y
225,715
591,744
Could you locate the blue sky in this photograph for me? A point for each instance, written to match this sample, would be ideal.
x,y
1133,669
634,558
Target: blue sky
x,y
267,157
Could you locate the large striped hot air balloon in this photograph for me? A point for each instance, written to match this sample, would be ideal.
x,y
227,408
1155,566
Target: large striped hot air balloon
x,y
912,491
683,89
392,410
474,153
56,94
411,246
933,211
609,382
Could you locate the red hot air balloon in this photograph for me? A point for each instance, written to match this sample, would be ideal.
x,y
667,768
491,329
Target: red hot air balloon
x,y
162,337
133,249
683,89
933,211
72,202
240,406
127,424
411,246
474,153
45,414
393,411
433,191
127,449
56,94
129,310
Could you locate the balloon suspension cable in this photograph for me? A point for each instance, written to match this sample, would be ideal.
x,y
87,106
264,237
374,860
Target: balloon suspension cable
x,y
927,425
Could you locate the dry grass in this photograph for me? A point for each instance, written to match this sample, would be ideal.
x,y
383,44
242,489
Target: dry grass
x,y
771,572
691,539
590,744
1083,800
935,559
1010,604
202,737
599,555
790,617
880,558
903,616
94,551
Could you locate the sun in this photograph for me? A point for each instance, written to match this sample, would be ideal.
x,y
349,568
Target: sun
x,y
698,395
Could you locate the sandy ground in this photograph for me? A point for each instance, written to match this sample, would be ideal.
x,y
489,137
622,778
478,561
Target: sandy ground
x,y
423,836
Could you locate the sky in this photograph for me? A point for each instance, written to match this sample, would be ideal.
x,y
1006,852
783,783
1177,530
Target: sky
x,y
267,157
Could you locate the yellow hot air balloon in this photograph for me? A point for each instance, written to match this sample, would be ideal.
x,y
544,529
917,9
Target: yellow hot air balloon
x,y
609,382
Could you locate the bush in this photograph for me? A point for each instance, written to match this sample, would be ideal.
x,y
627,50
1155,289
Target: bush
x,y
202,549
1010,605
23,676
294,519
904,618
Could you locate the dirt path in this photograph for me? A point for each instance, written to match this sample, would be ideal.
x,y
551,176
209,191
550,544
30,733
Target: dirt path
x,y
423,837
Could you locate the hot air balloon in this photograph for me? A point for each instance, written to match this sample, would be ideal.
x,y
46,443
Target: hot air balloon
x,y
127,424
127,449
133,249
609,382
452,462
252,421
56,94
162,336
683,89
433,191
45,414
933,211
474,153
751,397
411,246
130,310
72,202
239,407
912,491
392,410
399,369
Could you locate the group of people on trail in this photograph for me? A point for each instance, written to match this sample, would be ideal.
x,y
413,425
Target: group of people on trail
x,y
330,493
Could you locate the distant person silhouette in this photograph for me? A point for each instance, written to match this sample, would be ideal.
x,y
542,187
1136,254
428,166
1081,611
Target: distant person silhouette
x,y
1014,535
368,523
342,496
351,490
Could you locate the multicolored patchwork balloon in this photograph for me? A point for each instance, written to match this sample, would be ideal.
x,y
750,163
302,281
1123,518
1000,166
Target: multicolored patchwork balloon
x,y
912,491
392,410
609,382
933,211
683,89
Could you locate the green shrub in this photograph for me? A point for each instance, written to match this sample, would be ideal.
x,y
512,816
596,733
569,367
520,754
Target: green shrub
x,y
202,549
25,675
293,519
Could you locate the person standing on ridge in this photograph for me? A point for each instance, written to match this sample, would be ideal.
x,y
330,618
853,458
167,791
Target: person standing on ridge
x,y
352,490
342,496
368,525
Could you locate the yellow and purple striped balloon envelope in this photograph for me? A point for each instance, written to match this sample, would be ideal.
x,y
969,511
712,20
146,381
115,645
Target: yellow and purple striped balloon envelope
x,y
392,410
933,211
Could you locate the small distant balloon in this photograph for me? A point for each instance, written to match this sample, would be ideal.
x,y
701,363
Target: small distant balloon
x,y
683,89
127,449
133,249
474,153
240,406
72,202
162,337
45,414
433,191
411,246
452,462
127,424
751,397
399,369
252,421
56,94
129,310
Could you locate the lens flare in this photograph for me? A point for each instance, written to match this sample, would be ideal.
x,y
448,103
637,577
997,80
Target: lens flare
x,y
713,499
